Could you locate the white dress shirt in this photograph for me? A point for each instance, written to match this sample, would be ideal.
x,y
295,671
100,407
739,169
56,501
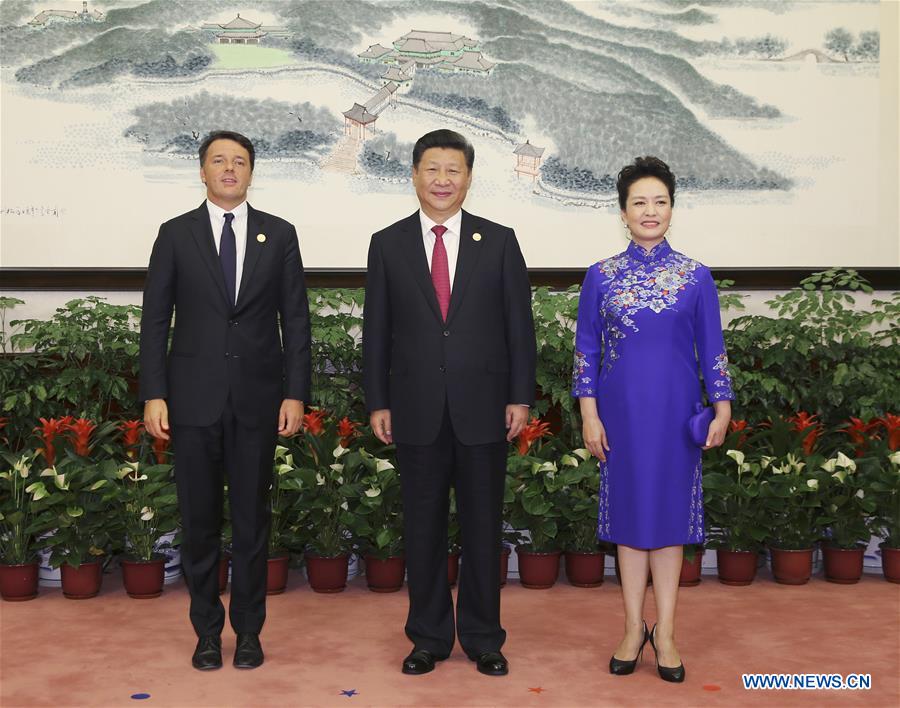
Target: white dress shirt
x,y
239,226
451,240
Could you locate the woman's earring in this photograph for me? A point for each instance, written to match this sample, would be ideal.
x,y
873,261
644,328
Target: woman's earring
x,y
627,231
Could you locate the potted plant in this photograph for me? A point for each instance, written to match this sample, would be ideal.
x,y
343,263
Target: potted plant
x,y
80,506
378,520
845,511
146,507
536,509
579,476
20,489
882,476
325,495
287,517
792,502
735,519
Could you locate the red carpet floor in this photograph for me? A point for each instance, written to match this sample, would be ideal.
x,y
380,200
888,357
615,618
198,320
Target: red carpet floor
x,y
345,649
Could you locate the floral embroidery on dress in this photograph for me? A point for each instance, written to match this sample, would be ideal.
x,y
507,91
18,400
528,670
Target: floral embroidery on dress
x,y
637,280
724,379
580,382
695,515
603,530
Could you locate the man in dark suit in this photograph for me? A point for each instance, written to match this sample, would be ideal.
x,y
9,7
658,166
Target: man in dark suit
x,y
228,385
449,372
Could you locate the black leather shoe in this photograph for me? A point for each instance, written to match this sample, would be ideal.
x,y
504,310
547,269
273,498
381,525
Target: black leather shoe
x,y
208,654
421,661
672,674
623,667
492,663
248,653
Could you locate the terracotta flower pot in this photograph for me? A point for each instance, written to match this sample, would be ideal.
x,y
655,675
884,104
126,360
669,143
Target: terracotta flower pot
x,y
843,565
791,567
144,579
19,582
585,570
504,564
327,574
538,571
385,575
736,567
277,574
452,567
890,563
690,570
82,582
224,561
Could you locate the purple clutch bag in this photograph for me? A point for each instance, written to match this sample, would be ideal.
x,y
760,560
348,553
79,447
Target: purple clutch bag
x,y
698,424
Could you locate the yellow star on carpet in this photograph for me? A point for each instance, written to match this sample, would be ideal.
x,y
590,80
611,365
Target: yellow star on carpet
x,y
536,690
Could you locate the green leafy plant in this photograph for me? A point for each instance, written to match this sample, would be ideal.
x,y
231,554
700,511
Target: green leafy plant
x,y
336,324
378,510
538,496
579,477
21,488
845,504
735,519
80,504
883,484
146,505
792,502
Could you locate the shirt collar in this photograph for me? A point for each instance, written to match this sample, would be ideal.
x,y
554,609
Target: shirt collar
x,y
453,224
656,253
219,213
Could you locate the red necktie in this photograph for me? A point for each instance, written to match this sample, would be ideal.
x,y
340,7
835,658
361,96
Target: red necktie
x,y
440,270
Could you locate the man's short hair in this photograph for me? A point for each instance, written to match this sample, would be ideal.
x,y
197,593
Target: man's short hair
x,y
241,140
443,138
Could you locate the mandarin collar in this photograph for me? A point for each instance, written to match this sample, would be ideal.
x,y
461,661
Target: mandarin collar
x,y
659,251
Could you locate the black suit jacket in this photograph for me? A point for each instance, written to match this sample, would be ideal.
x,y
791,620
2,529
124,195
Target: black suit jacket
x,y
482,359
219,348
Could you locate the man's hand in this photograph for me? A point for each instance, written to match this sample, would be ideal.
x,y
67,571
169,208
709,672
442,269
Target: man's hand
x,y
290,417
380,421
156,418
516,419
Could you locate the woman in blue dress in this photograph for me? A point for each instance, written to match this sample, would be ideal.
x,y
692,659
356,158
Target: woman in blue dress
x,y
648,322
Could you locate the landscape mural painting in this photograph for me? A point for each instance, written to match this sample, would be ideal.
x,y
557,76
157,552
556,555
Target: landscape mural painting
x,y
768,112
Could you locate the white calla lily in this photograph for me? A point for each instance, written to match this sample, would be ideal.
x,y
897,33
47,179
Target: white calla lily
x,y
382,465
372,492
582,452
812,484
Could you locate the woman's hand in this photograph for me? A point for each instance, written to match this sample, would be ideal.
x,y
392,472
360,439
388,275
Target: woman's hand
x,y
715,436
595,437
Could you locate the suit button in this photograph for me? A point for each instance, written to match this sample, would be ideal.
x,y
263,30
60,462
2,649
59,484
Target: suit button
x,y
227,355
233,323
443,369
446,333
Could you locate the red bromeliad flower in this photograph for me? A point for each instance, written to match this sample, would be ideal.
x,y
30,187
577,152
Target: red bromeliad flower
x,y
48,430
740,426
859,433
314,422
535,430
160,446
81,430
804,422
891,424
347,431
131,435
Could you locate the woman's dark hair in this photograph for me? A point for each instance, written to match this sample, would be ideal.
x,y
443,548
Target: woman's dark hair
x,y
443,138
648,166
241,140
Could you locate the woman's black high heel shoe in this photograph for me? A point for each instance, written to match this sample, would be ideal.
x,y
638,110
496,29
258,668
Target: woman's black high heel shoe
x,y
621,667
673,674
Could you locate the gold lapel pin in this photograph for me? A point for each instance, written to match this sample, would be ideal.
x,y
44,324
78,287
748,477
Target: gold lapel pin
x,y
476,236
261,238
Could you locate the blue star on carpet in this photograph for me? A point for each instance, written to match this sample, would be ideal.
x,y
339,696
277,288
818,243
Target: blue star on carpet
x,y
350,693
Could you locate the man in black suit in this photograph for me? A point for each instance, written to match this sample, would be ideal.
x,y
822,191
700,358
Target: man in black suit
x,y
228,385
449,372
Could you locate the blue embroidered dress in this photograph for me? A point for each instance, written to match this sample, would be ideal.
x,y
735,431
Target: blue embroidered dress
x,y
644,321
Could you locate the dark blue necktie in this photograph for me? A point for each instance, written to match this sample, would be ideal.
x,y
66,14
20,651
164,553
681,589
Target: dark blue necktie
x,y
228,257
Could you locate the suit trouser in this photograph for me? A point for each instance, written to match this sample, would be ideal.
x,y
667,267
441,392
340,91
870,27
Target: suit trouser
x,y
205,456
478,474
